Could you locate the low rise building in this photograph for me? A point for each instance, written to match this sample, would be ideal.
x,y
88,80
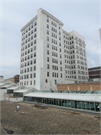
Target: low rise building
x,y
94,72
14,79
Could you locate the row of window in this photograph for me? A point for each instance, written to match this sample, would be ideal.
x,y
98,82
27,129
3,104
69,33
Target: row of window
x,y
82,67
27,83
30,50
80,53
28,63
54,74
29,28
78,39
28,41
54,67
28,76
28,70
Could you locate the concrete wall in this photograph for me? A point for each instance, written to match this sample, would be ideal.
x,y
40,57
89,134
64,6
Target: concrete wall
x,y
1,78
79,86
2,94
20,99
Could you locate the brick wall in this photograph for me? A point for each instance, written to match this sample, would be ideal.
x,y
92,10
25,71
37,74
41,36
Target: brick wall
x,y
80,86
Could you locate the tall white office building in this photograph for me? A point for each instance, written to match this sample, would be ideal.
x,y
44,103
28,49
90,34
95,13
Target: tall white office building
x,y
50,55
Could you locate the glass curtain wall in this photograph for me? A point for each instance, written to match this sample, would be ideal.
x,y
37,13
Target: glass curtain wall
x,y
65,103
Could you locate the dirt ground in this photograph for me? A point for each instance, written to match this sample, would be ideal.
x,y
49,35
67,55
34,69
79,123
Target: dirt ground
x,y
46,121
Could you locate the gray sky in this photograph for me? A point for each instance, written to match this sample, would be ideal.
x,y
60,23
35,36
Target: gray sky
x,y
83,16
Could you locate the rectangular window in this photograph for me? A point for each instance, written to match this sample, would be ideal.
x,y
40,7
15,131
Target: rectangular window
x,y
55,82
47,66
34,75
47,59
34,68
47,38
48,74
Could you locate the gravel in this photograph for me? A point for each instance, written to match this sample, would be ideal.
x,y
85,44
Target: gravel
x,y
45,121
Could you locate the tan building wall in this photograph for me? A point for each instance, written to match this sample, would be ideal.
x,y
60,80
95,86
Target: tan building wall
x,y
80,86
10,79
14,79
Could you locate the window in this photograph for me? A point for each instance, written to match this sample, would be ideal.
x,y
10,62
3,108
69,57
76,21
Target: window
x,y
60,56
31,32
30,75
35,54
34,75
47,19
61,75
30,82
47,26
31,62
59,44
48,52
31,44
34,47
27,69
34,35
35,23
47,45
34,68
31,55
47,38
55,82
34,61
30,68
60,68
34,41
31,49
47,59
34,82
60,62
46,81
48,74
47,32
35,29
47,66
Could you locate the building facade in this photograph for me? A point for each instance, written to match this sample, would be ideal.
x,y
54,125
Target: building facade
x,y
94,72
50,55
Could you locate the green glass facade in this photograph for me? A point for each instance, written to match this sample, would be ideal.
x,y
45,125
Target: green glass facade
x,y
9,91
18,94
91,106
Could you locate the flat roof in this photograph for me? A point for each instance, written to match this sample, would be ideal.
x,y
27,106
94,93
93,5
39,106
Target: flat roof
x,y
67,96
5,86
94,68
21,91
13,88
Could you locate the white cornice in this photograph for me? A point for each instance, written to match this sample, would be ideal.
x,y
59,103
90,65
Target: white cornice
x,y
29,22
51,16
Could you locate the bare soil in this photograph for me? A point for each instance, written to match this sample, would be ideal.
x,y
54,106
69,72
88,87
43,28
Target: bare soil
x,y
45,121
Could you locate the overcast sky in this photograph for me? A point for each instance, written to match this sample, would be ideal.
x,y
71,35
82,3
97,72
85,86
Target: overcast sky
x,y
83,16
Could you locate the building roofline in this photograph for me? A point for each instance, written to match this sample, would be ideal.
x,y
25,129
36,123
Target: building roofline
x,y
66,32
29,23
51,16
95,68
